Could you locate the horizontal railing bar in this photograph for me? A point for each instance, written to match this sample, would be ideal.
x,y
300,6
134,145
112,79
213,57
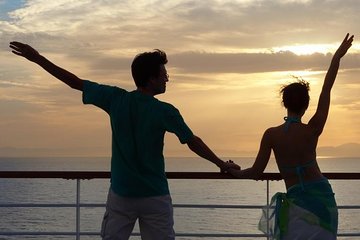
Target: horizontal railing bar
x,y
349,207
348,234
40,205
93,205
38,233
138,234
51,205
170,175
90,205
133,234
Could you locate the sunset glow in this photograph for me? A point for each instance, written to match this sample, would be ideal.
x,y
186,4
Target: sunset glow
x,y
227,62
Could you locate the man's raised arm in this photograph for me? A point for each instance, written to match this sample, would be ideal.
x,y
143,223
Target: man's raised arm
x,y
32,55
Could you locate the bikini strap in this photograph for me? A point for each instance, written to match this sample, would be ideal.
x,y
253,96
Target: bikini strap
x,y
300,171
289,120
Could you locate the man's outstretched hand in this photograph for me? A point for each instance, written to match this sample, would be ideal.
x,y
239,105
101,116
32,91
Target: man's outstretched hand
x,y
24,50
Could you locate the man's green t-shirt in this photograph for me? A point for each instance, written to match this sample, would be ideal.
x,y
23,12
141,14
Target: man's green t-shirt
x,y
138,124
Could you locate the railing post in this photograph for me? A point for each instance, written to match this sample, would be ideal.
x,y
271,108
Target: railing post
x,y
267,208
78,209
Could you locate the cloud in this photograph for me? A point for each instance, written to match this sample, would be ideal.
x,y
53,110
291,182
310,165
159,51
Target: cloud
x,y
184,24
215,48
254,62
199,36
241,63
103,64
11,108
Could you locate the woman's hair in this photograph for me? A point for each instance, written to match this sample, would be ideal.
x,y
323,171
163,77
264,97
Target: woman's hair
x,y
147,65
295,96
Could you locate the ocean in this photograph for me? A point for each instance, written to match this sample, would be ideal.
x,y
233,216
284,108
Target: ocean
x,y
187,220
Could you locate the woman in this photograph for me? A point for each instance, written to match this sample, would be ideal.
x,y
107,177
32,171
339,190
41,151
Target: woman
x,y
308,209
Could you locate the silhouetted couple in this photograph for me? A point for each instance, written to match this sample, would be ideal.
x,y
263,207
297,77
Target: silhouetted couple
x,y
139,187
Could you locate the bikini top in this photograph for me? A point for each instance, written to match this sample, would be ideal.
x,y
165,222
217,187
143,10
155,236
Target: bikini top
x,y
298,169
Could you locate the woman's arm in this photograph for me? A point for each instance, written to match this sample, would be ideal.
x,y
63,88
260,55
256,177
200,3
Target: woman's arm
x,y
261,160
317,122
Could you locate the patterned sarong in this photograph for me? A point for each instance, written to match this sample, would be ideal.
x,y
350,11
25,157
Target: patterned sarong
x,y
306,211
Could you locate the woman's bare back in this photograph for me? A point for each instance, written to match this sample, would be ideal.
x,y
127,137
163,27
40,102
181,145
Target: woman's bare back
x,y
295,146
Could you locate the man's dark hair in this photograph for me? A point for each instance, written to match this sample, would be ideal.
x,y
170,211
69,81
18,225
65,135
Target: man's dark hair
x,y
295,96
146,65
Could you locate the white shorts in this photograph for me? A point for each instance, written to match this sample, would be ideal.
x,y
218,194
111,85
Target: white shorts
x,y
155,215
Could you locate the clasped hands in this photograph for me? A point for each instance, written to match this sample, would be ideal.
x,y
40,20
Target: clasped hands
x,y
229,165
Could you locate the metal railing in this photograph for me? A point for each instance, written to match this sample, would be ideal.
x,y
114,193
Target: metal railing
x,y
82,175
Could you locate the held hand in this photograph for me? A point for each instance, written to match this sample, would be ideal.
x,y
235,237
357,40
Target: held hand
x,y
344,47
234,172
229,165
24,50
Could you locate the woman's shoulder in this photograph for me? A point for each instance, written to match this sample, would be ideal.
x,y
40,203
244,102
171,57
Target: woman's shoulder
x,y
275,129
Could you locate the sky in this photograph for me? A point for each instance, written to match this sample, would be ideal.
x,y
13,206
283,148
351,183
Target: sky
x,y
227,62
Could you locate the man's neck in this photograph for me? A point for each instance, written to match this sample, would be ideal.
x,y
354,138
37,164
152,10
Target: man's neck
x,y
145,91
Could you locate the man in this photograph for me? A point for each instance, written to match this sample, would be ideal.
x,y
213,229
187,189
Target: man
x,y
139,188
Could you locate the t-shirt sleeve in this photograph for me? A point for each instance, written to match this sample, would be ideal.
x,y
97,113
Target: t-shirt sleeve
x,y
175,123
98,94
